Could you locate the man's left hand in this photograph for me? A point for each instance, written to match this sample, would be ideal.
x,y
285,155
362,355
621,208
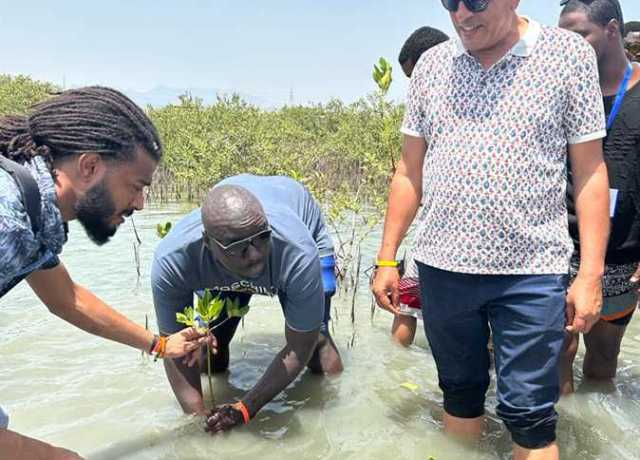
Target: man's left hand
x,y
223,418
584,302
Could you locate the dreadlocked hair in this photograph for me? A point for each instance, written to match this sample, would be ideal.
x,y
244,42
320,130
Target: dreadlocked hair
x,y
92,119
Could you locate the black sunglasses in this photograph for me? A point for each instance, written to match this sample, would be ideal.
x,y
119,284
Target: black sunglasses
x,y
237,248
475,6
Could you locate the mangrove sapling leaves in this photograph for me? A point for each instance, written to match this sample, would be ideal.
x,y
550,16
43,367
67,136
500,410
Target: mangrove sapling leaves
x,y
234,310
382,74
208,308
163,229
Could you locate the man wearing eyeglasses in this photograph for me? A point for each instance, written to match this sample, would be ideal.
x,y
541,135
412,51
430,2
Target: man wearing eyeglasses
x,y
489,119
253,235
600,22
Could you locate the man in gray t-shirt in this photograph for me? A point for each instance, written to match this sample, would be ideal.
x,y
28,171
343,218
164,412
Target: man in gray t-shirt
x,y
253,235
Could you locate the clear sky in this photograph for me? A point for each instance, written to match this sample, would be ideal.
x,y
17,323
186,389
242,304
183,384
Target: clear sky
x,y
316,49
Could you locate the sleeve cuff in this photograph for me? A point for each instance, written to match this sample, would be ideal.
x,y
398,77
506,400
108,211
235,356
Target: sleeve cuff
x,y
411,132
588,137
295,329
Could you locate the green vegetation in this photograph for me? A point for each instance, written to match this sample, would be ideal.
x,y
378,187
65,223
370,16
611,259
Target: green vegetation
x,y
208,308
382,74
163,229
18,93
344,153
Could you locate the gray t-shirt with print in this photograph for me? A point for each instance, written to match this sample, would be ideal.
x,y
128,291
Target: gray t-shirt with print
x,y
182,265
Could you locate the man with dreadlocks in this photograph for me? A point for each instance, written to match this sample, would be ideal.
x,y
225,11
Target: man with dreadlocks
x,y
85,154
600,22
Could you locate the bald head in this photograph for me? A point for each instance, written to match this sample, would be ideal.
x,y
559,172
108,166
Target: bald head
x,y
230,212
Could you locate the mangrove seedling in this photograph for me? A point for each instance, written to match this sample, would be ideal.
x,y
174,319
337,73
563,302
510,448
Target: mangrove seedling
x,y
382,75
234,310
208,308
163,229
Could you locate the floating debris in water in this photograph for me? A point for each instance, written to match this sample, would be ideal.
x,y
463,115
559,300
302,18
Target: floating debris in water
x,y
413,387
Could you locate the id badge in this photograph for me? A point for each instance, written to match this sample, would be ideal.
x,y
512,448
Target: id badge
x,y
613,200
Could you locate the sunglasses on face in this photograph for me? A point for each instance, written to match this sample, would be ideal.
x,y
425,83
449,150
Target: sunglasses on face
x,y
237,248
475,6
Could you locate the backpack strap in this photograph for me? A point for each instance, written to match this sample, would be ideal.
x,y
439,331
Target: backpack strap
x,y
28,189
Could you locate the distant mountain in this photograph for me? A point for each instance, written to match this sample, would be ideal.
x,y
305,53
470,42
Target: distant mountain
x,y
165,95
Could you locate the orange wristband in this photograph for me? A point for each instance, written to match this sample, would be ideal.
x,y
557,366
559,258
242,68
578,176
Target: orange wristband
x,y
243,409
163,348
160,348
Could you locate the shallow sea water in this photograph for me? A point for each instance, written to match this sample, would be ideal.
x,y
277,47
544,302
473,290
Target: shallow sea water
x,y
105,401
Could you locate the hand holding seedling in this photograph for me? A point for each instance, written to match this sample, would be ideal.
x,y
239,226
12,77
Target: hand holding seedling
x,y
208,308
223,418
186,342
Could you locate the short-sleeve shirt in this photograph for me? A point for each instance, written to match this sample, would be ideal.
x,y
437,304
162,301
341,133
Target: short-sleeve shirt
x,y
22,252
182,264
495,171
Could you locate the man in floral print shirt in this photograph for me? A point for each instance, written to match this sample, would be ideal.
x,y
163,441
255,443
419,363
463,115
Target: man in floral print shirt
x,y
489,120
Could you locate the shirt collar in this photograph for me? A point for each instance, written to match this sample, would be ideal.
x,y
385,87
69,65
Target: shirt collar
x,y
523,48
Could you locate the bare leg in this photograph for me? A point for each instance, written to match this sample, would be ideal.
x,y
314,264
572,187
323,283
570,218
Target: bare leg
x,y
603,347
546,453
466,429
571,344
403,329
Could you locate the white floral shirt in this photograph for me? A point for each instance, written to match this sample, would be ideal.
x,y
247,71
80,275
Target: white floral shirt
x,y
495,173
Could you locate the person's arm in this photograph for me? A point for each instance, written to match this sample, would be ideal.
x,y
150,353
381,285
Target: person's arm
x,y
404,200
80,307
286,366
19,447
585,125
584,299
186,386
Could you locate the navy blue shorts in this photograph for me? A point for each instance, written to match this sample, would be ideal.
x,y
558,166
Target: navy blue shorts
x,y
526,314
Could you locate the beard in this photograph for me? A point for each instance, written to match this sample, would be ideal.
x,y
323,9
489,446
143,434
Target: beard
x,y
94,211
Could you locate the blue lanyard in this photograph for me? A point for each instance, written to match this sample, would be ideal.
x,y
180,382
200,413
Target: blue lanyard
x,y
619,97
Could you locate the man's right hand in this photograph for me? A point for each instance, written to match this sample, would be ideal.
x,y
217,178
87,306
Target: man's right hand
x,y
385,289
187,343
